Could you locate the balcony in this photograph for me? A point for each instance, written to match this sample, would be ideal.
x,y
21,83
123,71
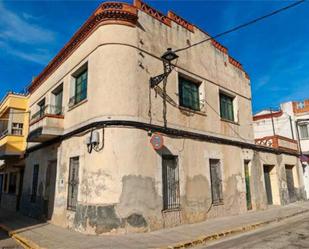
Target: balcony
x,y
12,143
278,142
46,124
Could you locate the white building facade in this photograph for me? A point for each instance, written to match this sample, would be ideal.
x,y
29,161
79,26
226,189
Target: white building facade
x,y
291,121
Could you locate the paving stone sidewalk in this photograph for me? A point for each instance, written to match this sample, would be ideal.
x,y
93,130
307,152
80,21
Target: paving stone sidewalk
x,y
45,235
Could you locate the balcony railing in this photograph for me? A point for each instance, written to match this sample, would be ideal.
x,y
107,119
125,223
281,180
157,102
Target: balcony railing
x,y
278,142
47,110
4,133
78,97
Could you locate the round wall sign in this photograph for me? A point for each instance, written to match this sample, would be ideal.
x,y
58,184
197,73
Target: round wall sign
x,y
157,141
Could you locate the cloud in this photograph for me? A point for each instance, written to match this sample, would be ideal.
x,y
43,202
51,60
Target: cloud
x,y
21,37
262,81
17,29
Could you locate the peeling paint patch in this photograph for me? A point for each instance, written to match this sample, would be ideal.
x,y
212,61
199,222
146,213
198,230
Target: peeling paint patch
x,y
136,220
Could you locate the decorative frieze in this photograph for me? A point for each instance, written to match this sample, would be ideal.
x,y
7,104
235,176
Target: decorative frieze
x,y
182,22
107,13
235,63
152,12
301,106
219,46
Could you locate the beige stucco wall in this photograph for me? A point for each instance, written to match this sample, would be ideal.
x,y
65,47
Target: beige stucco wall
x,y
125,179
123,182
119,68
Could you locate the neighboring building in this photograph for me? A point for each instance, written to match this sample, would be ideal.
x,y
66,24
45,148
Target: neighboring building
x,y
14,117
284,123
95,116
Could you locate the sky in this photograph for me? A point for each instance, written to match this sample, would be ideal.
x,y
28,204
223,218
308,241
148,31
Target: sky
x,y
274,52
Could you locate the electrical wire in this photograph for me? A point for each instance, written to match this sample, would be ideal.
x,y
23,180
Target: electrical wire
x,y
241,26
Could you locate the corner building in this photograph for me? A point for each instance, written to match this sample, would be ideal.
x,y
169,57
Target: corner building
x,y
97,90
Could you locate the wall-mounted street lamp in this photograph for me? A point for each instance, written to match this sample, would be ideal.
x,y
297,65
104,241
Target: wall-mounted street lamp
x,y
167,58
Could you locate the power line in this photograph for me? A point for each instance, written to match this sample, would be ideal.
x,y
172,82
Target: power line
x,y
242,25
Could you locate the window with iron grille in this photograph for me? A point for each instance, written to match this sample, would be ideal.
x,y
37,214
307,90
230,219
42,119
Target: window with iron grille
x,y
73,183
170,173
17,129
35,179
216,181
189,93
226,107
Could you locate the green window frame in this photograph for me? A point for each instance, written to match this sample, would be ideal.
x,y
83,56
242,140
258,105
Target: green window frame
x,y
226,107
189,94
81,82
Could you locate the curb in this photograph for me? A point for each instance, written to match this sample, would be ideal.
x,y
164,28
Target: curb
x,y
26,243
29,244
203,239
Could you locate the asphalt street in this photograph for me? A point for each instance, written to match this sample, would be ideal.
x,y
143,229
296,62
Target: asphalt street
x,y
292,233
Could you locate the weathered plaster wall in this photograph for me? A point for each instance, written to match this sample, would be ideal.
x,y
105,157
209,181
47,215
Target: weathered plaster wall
x,y
127,84
121,186
42,158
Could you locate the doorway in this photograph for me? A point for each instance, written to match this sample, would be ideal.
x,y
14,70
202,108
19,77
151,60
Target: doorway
x,y
50,185
247,180
290,182
268,187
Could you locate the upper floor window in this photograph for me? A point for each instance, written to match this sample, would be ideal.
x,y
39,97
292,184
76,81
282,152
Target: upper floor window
x,y
17,128
226,107
303,130
41,106
58,96
79,86
189,93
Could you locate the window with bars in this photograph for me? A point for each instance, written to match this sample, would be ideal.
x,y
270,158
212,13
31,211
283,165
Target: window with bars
x,y
73,183
170,173
5,183
303,130
189,94
35,180
17,129
216,181
226,107
12,182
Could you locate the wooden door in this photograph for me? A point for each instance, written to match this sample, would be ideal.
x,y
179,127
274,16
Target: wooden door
x,y
290,183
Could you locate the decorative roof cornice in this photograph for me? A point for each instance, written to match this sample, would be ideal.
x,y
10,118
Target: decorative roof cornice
x,y
152,12
219,46
179,20
235,63
117,13
297,109
106,13
275,114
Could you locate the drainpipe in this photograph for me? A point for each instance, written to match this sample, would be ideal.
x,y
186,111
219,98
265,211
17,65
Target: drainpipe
x,y
291,125
272,121
298,138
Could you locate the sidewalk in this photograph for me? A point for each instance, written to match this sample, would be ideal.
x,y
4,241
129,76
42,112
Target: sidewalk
x,y
44,235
